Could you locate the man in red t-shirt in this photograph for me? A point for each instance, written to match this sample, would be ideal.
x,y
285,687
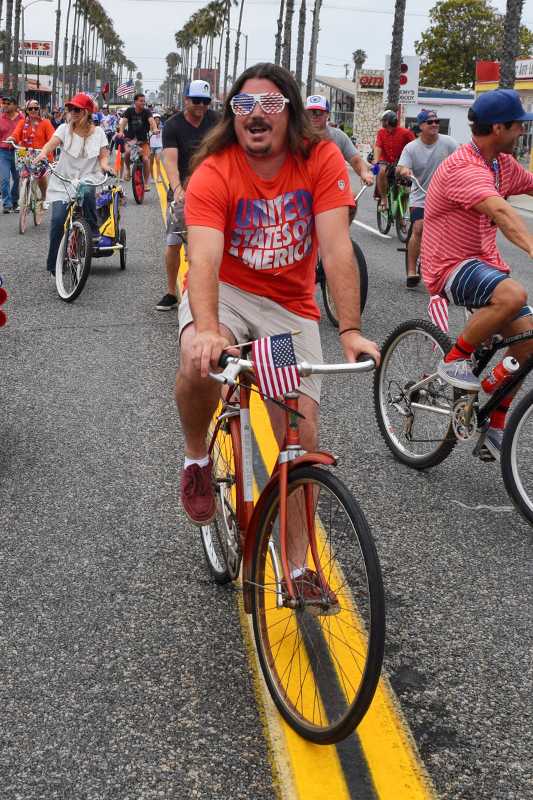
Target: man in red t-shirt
x,y
390,141
264,191
465,207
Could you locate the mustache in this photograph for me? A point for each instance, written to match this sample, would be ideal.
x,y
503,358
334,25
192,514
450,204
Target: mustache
x,y
258,122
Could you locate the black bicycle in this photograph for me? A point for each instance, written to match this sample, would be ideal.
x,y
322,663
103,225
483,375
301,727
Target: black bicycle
x,y
421,417
360,260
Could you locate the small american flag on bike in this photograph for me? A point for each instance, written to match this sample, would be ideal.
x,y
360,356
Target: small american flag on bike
x,y
125,88
275,365
438,312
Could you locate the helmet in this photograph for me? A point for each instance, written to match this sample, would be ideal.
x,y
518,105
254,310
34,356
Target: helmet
x,y
389,117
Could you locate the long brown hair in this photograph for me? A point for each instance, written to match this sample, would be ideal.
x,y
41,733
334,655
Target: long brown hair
x,y
302,136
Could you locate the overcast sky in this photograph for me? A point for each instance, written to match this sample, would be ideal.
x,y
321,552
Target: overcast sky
x,y
148,26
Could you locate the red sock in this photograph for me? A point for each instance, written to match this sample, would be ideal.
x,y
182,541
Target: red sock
x,y
460,351
497,417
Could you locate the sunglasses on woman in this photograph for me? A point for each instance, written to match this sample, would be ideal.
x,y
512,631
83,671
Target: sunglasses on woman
x,y
33,108
270,102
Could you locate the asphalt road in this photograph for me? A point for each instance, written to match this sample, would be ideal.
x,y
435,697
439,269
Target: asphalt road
x,y
123,670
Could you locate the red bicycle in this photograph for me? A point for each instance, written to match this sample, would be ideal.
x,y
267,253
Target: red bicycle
x,y
310,573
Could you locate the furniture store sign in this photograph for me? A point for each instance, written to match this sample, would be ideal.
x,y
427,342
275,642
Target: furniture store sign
x,y
37,49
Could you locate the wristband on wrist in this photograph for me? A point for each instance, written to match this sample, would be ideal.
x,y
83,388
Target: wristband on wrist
x,y
349,329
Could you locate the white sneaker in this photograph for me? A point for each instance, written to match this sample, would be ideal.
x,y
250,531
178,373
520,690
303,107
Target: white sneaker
x,y
459,374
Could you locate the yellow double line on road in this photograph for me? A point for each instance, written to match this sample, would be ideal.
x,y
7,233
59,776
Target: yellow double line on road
x,y
303,771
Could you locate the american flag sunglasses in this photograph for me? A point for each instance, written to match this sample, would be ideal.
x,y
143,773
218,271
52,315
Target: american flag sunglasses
x,y
270,102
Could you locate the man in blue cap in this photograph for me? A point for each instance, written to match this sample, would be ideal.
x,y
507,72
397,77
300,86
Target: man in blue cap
x,y
421,159
465,206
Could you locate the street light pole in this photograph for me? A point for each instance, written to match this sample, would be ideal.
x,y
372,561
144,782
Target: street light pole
x,y
23,70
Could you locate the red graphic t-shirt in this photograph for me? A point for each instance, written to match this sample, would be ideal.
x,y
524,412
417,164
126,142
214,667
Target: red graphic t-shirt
x,y
270,244
392,142
453,230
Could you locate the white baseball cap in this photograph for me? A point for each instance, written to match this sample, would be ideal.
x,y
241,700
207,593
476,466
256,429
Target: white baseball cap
x,y
199,89
317,101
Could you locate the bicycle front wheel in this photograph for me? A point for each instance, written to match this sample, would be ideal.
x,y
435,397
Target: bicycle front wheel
x,y
321,660
416,426
516,464
74,260
403,220
37,204
329,302
383,218
221,538
24,204
137,183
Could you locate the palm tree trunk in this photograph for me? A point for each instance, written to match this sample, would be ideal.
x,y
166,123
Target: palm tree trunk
x,y
277,55
311,71
511,43
16,44
300,46
56,53
226,55
72,47
236,57
393,94
219,64
8,45
65,53
287,35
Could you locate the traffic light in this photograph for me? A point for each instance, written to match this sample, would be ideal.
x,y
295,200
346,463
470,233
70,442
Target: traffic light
x,y
403,73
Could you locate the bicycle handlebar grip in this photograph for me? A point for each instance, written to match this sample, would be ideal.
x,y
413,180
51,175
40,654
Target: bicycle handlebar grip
x,y
365,357
223,360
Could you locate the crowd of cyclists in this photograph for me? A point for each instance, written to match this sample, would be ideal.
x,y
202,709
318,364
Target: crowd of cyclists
x,y
258,187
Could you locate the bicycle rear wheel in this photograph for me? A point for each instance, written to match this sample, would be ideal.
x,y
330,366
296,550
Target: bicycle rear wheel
x,y
24,204
73,262
420,437
221,538
516,463
383,218
329,303
137,183
321,662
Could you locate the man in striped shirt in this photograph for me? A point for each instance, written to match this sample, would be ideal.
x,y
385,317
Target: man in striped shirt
x,y
465,207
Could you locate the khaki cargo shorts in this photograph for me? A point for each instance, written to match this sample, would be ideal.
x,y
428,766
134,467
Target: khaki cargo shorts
x,y
176,224
249,316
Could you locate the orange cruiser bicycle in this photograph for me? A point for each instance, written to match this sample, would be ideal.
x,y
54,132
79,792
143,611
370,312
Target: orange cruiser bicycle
x,y
310,570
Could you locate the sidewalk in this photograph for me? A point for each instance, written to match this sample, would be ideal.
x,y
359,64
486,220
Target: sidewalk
x,y
523,202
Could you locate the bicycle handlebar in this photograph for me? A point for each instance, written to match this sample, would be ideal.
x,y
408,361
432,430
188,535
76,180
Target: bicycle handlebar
x,y
233,366
412,177
75,181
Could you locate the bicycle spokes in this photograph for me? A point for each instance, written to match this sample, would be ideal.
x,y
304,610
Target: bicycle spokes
x,y
317,641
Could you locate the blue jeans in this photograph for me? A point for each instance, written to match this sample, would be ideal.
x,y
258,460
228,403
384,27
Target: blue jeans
x,y
57,225
10,196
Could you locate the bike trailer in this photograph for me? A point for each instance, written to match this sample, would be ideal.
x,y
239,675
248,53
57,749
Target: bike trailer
x,y
108,215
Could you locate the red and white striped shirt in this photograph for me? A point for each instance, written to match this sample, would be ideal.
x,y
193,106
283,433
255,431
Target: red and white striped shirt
x,y
453,230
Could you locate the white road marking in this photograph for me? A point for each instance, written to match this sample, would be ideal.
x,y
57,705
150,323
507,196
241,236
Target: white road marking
x,y
372,230
483,507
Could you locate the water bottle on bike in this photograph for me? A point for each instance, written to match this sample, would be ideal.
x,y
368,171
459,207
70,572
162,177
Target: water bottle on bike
x,y
499,374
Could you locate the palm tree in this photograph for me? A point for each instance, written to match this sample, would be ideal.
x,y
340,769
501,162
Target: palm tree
x,y
7,45
56,53
313,47
393,94
237,41
287,34
511,46
16,44
358,58
301,40
277,56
